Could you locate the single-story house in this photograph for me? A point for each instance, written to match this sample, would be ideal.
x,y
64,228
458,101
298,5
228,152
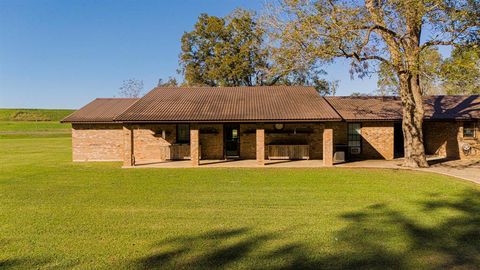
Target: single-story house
x,y
264,122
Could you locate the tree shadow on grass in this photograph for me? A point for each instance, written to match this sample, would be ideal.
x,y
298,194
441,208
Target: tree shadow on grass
x,y
23,263
444,234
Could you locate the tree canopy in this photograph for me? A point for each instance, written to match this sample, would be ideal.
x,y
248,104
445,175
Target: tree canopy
x,y
224,51
455,75
232,51
461,72
430,79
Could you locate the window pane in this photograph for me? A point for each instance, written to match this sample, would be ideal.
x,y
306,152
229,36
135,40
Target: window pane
x,y
354,137
354,129
183,133
468,129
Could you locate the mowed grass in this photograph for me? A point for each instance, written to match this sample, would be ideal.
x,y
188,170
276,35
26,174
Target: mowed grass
x,y
33,123
33,114
56,214
28,129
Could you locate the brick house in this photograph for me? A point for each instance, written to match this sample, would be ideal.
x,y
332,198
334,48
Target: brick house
x,y
274,122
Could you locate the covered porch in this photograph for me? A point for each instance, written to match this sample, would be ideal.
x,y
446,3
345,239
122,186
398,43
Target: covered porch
x,y
230,144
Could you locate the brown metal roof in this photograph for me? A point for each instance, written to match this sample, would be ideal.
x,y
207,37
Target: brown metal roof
x,y
452,107
102,110
368,108
207,104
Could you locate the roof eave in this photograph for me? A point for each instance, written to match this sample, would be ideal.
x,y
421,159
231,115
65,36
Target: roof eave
x,y
231,121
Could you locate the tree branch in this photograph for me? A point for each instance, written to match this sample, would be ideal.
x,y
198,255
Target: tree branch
x,y
437,42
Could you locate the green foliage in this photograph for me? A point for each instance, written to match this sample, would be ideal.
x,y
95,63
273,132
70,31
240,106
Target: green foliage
x,y
170,82
33,114
224,51
231,51
430,77
461,71
369,32
457,74
57,214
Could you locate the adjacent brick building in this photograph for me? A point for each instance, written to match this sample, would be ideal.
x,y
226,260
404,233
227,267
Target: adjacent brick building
x,y
264,123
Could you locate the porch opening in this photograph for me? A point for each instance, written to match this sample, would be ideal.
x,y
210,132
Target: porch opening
x,y
231,140
398,143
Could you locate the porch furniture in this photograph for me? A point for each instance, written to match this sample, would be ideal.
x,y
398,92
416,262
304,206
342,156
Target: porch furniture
x,y
288,151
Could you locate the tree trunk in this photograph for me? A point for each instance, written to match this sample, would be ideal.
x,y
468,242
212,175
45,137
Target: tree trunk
x,y
413,113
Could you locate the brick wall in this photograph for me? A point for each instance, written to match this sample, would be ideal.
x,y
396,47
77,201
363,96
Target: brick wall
x,y
339,132
377,140
440,137
148,143
104,142
97,142
248,141
211,141
446,139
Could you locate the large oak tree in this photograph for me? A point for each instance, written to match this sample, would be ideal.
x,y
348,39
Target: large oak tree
x,y
231,51
391,32
224,51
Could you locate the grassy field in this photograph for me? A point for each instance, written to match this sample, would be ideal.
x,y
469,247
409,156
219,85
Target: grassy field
x,y
33,123
56,214
33,114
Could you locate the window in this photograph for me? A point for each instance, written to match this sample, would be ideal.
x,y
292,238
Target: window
x,y
183,133
354,138
469,129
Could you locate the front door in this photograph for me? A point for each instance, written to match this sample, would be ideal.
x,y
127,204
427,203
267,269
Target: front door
x,y
232,140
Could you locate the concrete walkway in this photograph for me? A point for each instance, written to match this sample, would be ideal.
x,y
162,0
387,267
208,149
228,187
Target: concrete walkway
x,y
467,170
245,163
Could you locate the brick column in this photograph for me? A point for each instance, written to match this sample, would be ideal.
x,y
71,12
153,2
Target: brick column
x,y
194,145
128,159
260,145
327,145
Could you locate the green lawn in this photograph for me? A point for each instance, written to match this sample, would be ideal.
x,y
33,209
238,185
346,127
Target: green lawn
x,y
33,114
29,129
33,123
56,214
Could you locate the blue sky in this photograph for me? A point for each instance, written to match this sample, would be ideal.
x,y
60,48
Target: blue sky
x,y
62,54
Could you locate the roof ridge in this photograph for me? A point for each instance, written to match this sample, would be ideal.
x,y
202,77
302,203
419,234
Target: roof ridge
x,y
115,117
114,98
